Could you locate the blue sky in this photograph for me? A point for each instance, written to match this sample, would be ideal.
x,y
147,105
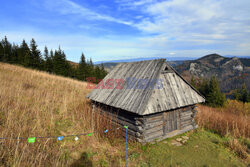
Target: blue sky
x,y
124,29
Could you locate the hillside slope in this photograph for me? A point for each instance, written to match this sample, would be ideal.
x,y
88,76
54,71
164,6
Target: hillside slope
x,y
34,103
231,72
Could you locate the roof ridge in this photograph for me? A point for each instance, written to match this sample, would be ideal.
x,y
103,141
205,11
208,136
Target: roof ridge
x,y
142,61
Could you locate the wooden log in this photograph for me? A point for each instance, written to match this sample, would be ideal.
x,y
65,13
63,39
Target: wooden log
x,y
153,135
186,121
131,126
112,115
152,130
152,125
186,118
189,113
131,133
121,122
153,119
174,133
186,124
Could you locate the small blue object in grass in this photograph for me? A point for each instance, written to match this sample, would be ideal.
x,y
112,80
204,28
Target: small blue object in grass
x,y
106,131
60,138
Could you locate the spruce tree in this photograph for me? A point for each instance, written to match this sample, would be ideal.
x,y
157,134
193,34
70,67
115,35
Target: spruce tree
x,y
23,54
14,54
97,72
48,66
60,65
82,68
244,96
36,59
103,71
214,97
1,51
6,50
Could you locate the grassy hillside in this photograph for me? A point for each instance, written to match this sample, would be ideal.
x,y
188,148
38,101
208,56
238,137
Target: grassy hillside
x,y
34,103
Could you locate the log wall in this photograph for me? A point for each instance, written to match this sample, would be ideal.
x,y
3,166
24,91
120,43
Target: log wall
x,y
154,126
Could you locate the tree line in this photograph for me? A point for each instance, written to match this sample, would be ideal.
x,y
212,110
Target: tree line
x,y
210,89
54,62
242,94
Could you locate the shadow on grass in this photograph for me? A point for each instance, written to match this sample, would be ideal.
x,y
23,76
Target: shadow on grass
x,y
84,161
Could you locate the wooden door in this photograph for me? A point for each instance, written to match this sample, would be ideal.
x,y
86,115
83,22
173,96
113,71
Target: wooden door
x,y
171,121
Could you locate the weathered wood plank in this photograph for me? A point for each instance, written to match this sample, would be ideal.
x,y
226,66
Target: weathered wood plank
x,y
152,125
153,135
152,130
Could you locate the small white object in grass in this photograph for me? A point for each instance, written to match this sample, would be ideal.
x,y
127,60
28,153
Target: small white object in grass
x,y
76,138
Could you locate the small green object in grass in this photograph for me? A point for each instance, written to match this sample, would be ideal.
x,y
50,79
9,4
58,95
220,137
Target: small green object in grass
x,y
90,134
31,139
126,127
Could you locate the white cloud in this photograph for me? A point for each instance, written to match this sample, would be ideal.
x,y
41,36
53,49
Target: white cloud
x,y
130,4
222,23
168,28
68,7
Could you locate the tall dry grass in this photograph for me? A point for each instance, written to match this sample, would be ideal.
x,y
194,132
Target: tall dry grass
x,y
34,103
232,119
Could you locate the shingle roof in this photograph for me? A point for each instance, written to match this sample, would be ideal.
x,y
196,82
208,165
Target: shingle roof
x,y
173,91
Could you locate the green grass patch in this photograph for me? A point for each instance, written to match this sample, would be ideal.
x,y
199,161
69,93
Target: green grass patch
x,y
203,148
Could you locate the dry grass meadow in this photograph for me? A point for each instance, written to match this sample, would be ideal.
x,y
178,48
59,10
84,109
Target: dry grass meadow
x,y
232,121
34,103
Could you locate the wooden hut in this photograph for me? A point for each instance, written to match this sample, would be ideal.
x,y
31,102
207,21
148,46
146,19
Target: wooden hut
x,y
150,97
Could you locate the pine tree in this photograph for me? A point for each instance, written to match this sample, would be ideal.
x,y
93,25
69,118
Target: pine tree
x,y
244,96
54,62
103,71
14,55
6,50
48,66
97,72
82,69
23,54
1,51
214,97
57,61
36,60
236,94
203,86
91,68
60,65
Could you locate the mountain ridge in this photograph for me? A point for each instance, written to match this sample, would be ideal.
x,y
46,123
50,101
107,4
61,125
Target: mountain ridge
x,y
231,72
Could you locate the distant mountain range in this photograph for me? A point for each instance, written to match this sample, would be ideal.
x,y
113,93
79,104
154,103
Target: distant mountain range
x,y
231,71
147,58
